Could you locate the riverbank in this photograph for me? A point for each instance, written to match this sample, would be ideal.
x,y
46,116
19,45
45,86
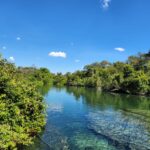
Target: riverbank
x,y
131,76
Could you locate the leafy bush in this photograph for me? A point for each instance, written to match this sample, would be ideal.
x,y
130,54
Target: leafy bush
x,y
22,108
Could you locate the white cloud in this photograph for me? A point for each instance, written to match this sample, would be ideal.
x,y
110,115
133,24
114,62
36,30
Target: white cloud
x,y
105,3
18,38
58,54
120,49
4,47
77,60
11,58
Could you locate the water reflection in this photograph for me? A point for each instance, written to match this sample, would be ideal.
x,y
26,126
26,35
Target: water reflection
x,y
55,108
45,89
88,119
100,99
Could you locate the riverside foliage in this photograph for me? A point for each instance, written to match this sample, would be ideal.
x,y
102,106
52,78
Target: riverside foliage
x,y
132,76
21,104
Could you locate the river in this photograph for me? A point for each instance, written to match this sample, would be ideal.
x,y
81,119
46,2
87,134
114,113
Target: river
x,y
88,119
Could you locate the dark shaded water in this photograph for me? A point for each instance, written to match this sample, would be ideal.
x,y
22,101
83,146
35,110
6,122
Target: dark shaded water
x,y
87,119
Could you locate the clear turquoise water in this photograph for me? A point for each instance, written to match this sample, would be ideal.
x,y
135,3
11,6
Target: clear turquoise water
x,y
87,119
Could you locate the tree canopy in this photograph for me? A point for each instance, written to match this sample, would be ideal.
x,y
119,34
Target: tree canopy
x,y
132,76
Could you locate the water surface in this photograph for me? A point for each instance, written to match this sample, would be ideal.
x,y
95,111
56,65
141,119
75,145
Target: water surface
x,y
88,119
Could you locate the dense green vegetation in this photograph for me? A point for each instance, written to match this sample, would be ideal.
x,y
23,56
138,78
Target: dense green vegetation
x,y
132,76
21,104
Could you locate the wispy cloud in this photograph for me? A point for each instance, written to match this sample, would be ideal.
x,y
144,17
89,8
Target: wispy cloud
x,y
11,58
77,60
4,47
120,49
18,38
58,54
105,3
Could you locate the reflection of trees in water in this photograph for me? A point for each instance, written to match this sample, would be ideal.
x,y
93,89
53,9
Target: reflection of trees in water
x,y
45,89
129,106
104,100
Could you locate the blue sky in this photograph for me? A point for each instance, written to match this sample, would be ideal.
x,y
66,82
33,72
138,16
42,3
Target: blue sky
x,y
65,35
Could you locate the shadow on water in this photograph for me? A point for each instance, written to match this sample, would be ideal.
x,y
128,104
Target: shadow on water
x,y
45,89
88,119
96,98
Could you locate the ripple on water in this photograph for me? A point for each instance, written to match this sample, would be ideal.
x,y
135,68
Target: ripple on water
x,y
55,108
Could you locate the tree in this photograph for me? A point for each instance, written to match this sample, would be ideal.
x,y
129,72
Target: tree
x,y
136,84
22,108
131,76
